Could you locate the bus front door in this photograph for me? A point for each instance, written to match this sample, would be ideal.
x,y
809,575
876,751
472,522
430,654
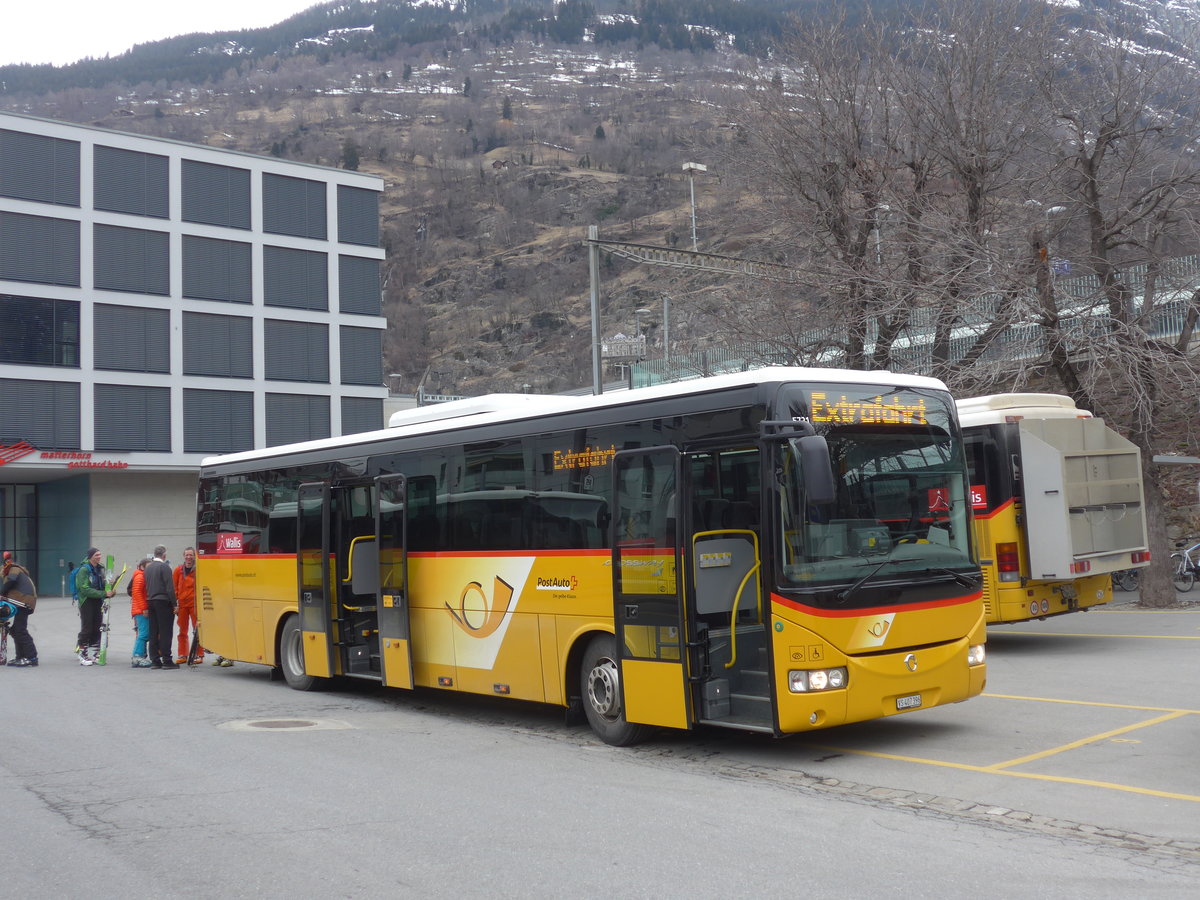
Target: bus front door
x,y
313,577
392,601
649,615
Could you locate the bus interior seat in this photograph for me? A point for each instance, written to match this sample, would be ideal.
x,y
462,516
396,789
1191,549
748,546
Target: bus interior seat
x,y
741,515
715,511
499,531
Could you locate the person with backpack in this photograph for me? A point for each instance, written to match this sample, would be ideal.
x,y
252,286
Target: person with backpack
x,y
93,590
160,591
18,588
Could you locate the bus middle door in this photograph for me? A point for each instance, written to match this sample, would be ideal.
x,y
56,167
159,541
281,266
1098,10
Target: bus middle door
x,y
391,536
649,616
313,578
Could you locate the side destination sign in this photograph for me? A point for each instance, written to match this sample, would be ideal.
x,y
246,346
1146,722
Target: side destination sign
x,y
587,458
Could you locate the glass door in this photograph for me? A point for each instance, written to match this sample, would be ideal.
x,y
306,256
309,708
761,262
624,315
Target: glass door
x,y
649,615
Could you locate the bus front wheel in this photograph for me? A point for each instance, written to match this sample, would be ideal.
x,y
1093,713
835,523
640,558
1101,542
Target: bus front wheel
x,y
291,657
600,683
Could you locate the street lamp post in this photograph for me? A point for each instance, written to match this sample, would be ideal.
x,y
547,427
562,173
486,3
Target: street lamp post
x,y
1051,211
881,208
666,332
637,319
692,168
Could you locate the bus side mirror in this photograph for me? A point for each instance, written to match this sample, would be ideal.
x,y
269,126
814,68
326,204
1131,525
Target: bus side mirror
x,y
819,484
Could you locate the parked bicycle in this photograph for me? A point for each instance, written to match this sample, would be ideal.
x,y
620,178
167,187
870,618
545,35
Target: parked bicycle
x,y
1185,565
1127,579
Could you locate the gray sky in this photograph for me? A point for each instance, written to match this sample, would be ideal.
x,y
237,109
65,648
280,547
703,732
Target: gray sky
x,y
98,27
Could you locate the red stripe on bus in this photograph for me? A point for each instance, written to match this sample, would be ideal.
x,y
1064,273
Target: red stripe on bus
x,y
872,610
493,554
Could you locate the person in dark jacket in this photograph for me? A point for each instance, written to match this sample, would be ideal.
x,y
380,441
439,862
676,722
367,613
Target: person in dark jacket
x,y
92,590
18,587
160,592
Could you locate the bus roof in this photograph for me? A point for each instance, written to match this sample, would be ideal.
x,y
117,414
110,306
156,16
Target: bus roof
x,y
499,408
998,408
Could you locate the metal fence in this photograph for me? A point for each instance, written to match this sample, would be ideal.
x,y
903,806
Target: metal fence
x,y
1086,320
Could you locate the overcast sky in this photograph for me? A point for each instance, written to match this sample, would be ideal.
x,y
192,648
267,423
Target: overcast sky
x,y
82,28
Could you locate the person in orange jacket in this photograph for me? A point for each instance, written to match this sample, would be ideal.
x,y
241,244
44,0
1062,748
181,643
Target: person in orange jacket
x,y
139,609
185,593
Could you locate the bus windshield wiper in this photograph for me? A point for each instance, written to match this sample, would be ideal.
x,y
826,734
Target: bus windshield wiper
x,y
964,580
844,595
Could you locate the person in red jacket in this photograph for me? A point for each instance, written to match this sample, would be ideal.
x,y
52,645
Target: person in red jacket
x,y
139,608
185,593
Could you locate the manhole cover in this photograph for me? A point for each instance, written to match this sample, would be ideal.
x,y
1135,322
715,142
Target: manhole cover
x,y
285,725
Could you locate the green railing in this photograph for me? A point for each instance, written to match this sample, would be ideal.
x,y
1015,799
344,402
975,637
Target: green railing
x,y
1087,319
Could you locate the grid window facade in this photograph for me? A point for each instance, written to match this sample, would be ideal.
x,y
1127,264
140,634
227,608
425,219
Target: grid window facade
x,y
217,421
295,278
39,168
132,260
292,418
216,195
218,346
358,286
127,181
296,351
361,414
294,206
39,249
217,270
358,216
44,413
133,417
213,284
36,331
131,339
362,355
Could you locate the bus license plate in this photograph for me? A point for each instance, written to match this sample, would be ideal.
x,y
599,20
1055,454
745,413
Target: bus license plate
x,y
910,702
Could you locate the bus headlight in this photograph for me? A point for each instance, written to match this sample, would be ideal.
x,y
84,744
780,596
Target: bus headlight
x,y
804,681
976,655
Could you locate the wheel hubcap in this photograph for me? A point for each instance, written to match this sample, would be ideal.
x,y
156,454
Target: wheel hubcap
x,y
603,689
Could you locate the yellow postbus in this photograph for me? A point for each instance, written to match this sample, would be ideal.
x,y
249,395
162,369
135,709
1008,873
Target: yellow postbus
x,y
775,551
1058,504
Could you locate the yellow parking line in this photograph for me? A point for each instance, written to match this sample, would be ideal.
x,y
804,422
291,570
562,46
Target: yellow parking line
x,y
1082,742
1163,709
1126,788
984,770
1143,612
1157,637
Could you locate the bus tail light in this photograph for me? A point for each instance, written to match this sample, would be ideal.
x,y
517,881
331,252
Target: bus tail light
x,y
1008,562
1140,556
1081,567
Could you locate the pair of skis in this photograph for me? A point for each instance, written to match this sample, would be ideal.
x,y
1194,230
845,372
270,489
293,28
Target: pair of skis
x,y
111,582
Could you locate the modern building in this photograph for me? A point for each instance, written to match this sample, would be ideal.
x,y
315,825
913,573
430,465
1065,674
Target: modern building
x,y
161,302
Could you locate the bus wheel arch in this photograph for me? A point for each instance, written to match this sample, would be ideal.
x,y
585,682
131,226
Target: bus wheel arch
x,y
290,656
600,689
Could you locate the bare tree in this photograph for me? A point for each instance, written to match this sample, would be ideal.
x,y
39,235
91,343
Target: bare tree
x,y
1120,162
920,170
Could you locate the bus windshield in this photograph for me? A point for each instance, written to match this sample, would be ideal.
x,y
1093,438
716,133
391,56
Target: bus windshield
x,y
901,506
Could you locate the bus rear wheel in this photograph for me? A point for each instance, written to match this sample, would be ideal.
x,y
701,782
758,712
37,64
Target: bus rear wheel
x,y
600,684
291,657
